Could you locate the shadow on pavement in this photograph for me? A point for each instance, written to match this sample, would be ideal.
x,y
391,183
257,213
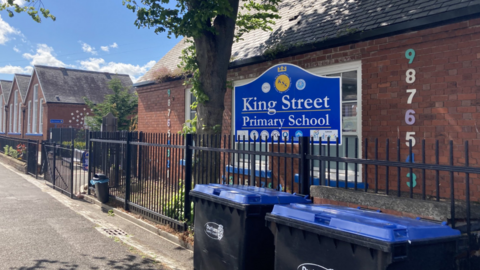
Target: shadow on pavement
x,y
128,262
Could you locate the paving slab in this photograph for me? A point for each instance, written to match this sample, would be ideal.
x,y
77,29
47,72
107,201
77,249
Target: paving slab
x,y
41,228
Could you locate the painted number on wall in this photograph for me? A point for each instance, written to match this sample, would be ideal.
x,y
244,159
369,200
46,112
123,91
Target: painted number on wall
x,y
410,114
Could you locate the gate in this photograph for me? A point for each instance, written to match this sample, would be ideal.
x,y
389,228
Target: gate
x,y
32,158
65,168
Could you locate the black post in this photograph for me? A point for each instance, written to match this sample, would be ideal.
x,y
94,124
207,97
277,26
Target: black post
x,y
188,174
117,157
72,135
304,166
54,165
72,147
140,157
127,176
36,158
90,160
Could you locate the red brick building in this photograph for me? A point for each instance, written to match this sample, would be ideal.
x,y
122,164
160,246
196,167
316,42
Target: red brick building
x,y
14,105
54,97
409,71
5,87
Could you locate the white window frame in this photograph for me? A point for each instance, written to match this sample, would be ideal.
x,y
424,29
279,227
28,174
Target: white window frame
x,y
19,127
4,118
35,109
29,128
321,71
10,111
40,117
188,101
15,111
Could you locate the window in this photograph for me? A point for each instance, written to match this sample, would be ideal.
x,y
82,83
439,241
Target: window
x,y
40,118
350,74
29,129
10,112
19,128
189,100
4,118
35,109
15,111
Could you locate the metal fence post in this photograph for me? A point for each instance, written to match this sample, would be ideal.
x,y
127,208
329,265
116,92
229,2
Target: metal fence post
x,y
28,155
304,166
127,177
90,160
188,175
139,166
54,165
72,147
36,158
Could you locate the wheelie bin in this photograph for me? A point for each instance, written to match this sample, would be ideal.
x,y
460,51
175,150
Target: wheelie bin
x,y
321,237
230,230
100,181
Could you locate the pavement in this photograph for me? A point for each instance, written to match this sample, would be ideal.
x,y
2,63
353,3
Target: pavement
x,y
41,228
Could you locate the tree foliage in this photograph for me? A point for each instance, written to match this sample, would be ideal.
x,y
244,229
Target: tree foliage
x,y
31,7
211,27
121,104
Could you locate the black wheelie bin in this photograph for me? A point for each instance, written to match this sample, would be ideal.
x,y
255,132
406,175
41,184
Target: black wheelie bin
x,y
100,181
328,237
230,231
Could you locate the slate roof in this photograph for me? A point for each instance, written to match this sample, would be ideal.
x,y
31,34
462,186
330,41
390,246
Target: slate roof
x,y
64,85
22,82
6,86
312,21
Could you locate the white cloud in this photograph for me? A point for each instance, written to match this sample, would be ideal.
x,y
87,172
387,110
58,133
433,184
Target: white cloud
x,y
88,49
18,2
99,64
16,49
44,56
9,69
5,31
107,48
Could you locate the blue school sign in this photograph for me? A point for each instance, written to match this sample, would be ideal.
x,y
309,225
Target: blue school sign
x,y
289,102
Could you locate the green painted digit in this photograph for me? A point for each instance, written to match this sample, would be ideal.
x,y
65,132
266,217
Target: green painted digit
x,y
414,180
410,55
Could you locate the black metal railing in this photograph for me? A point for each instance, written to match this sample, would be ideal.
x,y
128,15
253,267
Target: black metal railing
x,y
15,148
65,168
64,136
145,173
152,174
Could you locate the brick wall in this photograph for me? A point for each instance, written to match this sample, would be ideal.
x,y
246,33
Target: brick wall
x,y
11,101
29,98
153,107
446,102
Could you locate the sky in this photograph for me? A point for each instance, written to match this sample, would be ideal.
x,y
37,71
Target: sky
x,y
97,35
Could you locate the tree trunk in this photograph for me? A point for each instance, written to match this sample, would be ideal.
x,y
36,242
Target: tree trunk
x,y
213,53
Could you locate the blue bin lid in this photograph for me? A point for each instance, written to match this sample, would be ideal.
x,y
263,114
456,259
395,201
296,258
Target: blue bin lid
x,y
249,194
367,223
99,181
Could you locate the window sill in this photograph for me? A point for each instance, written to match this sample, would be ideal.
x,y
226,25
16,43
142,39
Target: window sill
x,y
14,133
33,134
245,171
333,183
